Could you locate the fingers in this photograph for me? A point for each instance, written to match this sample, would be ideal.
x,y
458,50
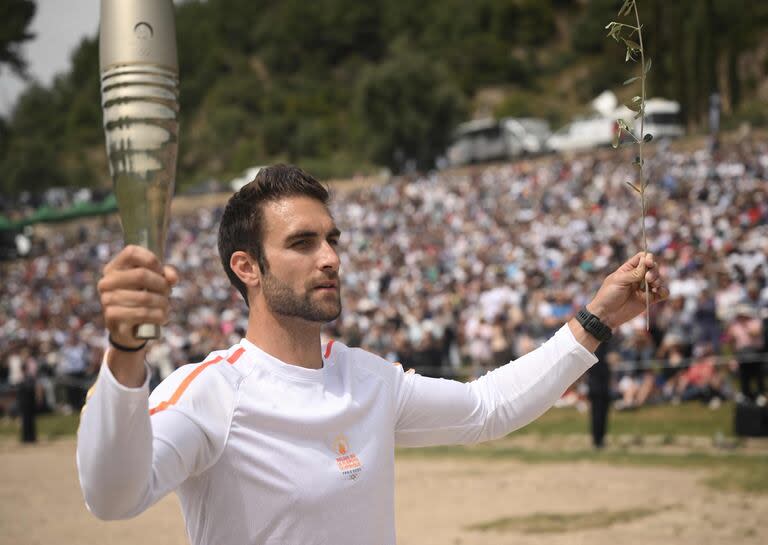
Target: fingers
x,y
661,294
122,321
641,266
657,293
171,275
653,278
135,290
121,318
631,263
126,308
635,261
134,256
134,298
134,279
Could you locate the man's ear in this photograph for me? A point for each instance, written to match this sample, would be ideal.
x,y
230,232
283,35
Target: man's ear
x,y
246,268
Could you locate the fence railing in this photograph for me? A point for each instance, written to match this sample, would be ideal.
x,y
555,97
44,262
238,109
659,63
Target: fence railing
x,y
59,384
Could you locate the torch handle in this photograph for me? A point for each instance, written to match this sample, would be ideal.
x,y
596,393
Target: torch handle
x,y
147,331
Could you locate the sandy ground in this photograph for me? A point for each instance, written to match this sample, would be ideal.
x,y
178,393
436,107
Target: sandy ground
x,y
438,499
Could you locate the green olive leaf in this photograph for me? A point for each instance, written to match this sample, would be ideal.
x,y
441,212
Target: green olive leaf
x,y
631,44
626,8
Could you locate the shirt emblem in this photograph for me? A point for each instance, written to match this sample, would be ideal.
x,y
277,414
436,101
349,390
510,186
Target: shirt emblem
x,y
348,463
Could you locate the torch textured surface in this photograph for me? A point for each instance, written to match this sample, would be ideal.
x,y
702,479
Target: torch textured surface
x,y
139,90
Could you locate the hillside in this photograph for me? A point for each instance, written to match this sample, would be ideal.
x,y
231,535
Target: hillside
x,y
344,87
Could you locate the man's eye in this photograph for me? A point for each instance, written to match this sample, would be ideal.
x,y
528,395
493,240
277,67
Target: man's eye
x,y
334,242
300,243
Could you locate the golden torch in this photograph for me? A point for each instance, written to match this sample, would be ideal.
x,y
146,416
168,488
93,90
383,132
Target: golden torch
x,y
139,96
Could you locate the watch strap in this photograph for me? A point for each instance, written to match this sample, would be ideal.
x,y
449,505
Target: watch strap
x,y
593,325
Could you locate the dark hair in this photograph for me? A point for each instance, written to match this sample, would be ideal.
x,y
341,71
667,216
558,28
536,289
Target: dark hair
x,y
242,226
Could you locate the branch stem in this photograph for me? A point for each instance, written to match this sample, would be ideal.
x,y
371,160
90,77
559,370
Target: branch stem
x,y
640,153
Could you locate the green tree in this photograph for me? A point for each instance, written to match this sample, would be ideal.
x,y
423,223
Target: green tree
x,y
343,84
15,18
408,105
30,165
79,90
589,28
31,160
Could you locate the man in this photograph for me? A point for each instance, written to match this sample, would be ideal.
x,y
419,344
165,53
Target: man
x,y
599,394
745,332
73,367
279,439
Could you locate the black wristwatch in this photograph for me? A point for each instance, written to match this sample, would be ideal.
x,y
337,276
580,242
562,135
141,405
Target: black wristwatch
x,y
593,325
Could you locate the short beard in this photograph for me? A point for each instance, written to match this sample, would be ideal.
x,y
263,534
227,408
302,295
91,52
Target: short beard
x,y
282,300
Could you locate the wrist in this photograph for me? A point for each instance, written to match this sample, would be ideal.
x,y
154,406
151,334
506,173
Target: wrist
x,y
603,315
123,346
128,368
582,336
593,325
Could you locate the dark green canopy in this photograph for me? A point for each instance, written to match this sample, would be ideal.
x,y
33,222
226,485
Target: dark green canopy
x,y
46,214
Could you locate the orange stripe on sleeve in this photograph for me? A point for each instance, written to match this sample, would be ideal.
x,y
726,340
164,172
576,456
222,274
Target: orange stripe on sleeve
x,y
236,356
328,349
184,384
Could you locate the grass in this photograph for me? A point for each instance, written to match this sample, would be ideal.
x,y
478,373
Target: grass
x,y
492,451
686,419
730,471
752,479
546,523
690,419
49,426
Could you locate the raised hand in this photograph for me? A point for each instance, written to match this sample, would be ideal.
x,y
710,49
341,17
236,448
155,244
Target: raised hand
x,y
133,290
622,295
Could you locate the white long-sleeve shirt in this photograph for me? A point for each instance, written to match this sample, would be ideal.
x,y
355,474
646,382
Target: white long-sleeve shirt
x,y
263,452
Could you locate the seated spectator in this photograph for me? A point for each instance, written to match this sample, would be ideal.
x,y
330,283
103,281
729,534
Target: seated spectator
x,y
637,381
672,354
745,332
702,380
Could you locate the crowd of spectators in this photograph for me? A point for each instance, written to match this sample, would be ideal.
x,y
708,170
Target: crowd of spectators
x,y
455,272
57,198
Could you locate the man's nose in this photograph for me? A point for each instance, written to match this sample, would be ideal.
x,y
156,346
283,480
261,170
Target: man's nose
x,y
329,257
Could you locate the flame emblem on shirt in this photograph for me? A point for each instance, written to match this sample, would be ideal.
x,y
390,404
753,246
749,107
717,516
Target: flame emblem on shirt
x,y
347,462
341,445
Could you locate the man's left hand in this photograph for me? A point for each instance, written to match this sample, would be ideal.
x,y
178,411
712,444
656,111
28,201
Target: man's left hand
x,y
622,295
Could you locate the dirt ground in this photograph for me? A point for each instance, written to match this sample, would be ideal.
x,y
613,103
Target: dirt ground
x,y
438,501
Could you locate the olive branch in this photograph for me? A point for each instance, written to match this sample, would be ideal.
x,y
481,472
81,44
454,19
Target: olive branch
x,y
632,38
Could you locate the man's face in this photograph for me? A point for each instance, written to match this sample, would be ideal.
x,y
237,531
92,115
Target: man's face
x,y
302,279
